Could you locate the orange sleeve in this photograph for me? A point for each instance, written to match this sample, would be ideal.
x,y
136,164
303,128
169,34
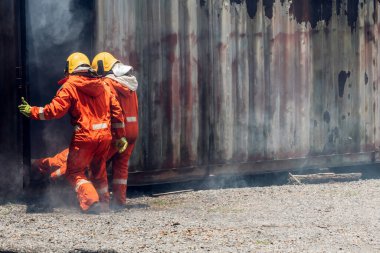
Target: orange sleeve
x,y
56,109
117,118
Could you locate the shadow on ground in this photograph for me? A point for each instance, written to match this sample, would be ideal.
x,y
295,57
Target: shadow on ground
x,y
42,196
259,180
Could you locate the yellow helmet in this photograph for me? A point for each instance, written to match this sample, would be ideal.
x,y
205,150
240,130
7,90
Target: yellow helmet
x,y
103,62
75,60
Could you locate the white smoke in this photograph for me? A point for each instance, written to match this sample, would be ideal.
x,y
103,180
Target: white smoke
x,y
52,23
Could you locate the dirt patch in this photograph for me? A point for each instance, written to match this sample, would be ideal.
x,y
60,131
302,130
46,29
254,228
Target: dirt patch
x,y
292,218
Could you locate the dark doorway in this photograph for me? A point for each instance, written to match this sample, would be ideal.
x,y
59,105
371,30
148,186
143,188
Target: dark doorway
x,y
54,30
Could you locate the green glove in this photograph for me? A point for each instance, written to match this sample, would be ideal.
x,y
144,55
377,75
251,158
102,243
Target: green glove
x,y
121,144
24,107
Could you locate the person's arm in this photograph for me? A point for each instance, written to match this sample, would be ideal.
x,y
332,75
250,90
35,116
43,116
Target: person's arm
x,y
117,118
56,109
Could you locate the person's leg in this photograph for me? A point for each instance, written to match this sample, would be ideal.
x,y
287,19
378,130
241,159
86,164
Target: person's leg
x,y
80,155
54,166
98,169
60,164
120,175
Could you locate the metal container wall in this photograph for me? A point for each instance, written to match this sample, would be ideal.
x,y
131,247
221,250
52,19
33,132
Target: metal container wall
x,y
11,84
235,87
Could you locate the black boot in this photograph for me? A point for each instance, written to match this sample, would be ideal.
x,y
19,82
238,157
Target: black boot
x,y
94,209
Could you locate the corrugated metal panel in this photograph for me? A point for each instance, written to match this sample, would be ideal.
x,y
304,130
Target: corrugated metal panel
x,y
240,82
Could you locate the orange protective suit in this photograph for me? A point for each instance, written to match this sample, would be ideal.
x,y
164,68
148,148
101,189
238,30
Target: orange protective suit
x,y
129,104
92,108
127,98
54,166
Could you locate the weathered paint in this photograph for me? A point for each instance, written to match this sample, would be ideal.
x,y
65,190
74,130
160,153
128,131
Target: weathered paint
x,y
229,86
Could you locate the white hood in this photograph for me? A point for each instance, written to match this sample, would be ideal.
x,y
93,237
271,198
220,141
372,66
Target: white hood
x,y
120,75
120,69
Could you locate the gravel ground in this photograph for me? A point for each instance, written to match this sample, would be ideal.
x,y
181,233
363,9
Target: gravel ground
x,y
336,217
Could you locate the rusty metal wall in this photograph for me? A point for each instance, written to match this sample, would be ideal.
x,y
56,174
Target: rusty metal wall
x,y
11,85
244,86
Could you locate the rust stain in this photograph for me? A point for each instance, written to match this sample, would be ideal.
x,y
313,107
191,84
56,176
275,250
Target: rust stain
x,y
134,60
343,75
250,85
170,41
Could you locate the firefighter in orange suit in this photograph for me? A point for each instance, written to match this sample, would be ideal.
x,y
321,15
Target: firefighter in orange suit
x,y
93,109
123,85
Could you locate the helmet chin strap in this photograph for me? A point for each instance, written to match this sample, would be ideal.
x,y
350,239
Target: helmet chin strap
x,y
66,70
100,68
